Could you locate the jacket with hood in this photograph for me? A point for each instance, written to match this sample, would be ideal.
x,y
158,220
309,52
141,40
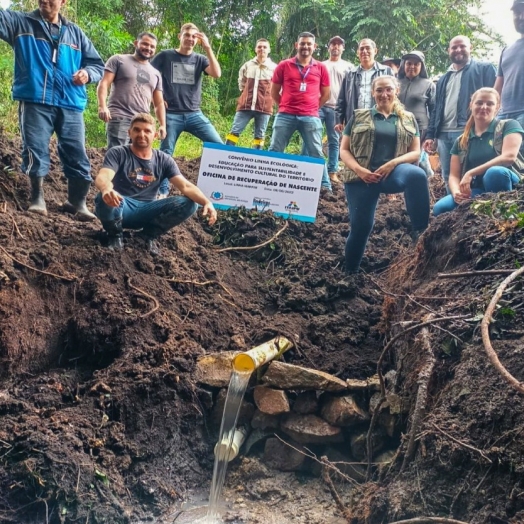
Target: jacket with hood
x,y
418,94
44,69
347,101
474,76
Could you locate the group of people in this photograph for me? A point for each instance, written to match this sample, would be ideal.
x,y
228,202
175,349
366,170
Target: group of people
x,y
386,114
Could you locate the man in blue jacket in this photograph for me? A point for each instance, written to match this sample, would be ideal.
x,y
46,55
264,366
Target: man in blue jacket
x,y
454,90
54,60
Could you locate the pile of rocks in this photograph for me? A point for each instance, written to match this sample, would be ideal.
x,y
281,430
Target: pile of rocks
x,y
295,408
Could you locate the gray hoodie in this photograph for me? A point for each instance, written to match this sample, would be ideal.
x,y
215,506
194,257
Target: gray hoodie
x,y
418,94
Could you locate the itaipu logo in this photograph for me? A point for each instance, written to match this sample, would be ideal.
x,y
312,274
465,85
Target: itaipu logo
x,y
217,195
292,206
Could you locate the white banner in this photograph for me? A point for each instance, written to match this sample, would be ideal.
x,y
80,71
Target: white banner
x,y
288,185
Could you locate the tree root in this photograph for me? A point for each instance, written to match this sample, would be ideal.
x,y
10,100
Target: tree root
x,y
428,520
48,273
484,327
422,394
249,248
475,273
142,292
346,513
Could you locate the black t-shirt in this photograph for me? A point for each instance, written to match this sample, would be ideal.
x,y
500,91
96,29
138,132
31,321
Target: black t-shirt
x,y
136,177
181,79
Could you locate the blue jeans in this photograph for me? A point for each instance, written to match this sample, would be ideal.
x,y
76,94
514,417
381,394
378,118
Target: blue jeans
x,y
445,141
117,132
158,215
242,119
195,123
310,129
495,180
37,124
327,117
362,201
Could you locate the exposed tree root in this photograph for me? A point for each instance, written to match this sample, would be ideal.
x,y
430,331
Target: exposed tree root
x,y
426,520
475,273
484,327
422,394
142,292
250,248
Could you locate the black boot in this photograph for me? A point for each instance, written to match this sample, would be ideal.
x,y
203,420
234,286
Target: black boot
x,y
77,189
37,196
115,236
415,234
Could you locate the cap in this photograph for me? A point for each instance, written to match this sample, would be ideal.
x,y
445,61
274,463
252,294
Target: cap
x,y
419,55
336,39
516,3
395,61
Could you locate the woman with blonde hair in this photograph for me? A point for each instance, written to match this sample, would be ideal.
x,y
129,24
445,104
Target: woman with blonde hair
x,y
380,149
485,158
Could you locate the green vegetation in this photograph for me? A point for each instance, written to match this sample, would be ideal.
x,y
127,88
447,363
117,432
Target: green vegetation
x,y
233,27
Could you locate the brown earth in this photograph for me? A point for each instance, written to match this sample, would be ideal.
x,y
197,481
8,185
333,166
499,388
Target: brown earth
x,y
102,420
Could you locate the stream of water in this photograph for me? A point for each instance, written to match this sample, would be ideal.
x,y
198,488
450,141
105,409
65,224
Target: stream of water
x,y
235,394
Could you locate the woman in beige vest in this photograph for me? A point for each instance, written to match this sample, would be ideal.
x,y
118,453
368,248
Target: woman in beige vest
x,y
380,148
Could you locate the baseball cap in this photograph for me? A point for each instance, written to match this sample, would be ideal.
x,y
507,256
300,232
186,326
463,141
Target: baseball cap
x,y
419,55
516,3
338,39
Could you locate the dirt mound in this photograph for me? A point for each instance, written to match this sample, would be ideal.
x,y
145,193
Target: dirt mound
x,y
102,420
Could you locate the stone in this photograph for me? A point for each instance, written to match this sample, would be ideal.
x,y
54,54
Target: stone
x,y
279,456
306,403
215,369
310,429
289,376
343,411
245,415
271,401
264,421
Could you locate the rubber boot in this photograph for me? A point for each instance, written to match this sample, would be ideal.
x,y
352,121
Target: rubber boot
x,y
37,196
258,143
115,236
77,189
231,139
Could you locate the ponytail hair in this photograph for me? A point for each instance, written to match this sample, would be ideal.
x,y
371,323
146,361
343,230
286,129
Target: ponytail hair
x,y
464,137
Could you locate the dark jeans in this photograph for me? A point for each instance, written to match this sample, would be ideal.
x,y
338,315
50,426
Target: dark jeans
x,y
495,180
37,124
362,202
158,215
445,142
117,132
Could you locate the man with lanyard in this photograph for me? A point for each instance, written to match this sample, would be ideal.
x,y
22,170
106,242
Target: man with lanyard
x,y
134,82
337,68
355,91
54,60
128,184
182,71
454,89
300,86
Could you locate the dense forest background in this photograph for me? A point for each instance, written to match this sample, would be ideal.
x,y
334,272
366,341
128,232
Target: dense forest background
x,y
233,26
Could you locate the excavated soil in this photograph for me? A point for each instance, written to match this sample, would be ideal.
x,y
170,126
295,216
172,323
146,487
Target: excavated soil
x,y
102,420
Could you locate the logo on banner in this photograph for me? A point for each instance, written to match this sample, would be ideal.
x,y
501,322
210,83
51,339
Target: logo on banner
x,y
261,204
292,206
217,195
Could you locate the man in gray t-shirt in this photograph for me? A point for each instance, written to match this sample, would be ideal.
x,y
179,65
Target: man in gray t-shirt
x,y
134,83
510,74
128,183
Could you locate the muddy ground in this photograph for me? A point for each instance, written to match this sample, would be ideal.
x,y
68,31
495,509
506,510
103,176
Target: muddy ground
x,y
102,421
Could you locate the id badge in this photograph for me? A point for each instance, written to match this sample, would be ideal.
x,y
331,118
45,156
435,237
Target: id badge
x,y
303,86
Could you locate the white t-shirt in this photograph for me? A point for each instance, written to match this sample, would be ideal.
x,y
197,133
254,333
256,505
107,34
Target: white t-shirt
x,y
337,69
365,100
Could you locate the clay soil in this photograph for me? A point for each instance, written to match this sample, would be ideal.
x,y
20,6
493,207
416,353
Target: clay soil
x,y
101,417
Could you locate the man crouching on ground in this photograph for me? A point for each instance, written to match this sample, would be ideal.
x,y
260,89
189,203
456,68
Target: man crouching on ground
x,y
129,182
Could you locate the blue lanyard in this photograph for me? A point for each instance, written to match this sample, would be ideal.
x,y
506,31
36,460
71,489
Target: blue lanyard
x,y
301,69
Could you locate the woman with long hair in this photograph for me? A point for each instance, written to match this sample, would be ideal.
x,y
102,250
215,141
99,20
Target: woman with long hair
x,y
380,149
485,158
